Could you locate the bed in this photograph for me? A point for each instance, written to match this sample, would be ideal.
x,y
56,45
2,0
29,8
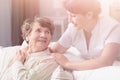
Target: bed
x,y
106,73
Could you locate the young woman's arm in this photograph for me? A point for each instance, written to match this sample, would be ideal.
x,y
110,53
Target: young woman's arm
x,y
57,48
107,58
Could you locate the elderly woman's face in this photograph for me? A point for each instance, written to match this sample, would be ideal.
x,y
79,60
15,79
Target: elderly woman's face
x,y
39,37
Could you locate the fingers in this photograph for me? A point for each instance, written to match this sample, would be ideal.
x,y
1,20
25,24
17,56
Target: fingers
x,y
55,55
20,56
24,50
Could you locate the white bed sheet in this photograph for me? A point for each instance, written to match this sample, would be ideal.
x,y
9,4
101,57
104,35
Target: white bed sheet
x,y
107,73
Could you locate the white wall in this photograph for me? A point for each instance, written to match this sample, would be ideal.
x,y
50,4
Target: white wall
x,y
5,23
55,11
105,7
52,8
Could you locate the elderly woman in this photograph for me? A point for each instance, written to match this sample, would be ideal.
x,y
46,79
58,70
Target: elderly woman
x,y
33,62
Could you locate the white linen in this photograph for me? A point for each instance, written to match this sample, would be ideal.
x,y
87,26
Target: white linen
x,y
105,73
109,73
6,55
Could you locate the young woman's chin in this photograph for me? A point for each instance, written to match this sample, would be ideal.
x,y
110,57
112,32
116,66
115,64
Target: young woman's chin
x,y
78,27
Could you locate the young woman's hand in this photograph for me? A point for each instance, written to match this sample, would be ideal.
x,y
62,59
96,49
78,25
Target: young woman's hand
x,y
61,59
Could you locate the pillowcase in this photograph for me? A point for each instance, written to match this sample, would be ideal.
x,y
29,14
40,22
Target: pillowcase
x,y
24,44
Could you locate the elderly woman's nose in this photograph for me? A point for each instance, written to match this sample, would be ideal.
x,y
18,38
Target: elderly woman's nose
x,y
43,34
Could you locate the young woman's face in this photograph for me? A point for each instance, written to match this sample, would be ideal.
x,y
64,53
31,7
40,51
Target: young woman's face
x,y
78,20
39,37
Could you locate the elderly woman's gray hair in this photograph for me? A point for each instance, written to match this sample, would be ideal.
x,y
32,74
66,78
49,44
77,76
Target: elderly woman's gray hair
x,y
43,22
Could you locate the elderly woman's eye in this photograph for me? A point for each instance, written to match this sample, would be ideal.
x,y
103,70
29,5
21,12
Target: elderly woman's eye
x,y
38,30
72,15
47,32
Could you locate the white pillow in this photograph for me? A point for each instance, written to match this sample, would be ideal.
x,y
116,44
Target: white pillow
x,y
1,47
6,54
24,44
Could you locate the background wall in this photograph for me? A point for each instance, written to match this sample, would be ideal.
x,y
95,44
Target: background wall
x,y
105,7
51,8
115,9
55,11
22,10
5,22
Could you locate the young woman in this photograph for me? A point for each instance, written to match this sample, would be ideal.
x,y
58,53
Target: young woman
x,y
97,38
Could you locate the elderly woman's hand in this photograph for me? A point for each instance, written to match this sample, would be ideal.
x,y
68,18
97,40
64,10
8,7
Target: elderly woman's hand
x,y
20,56
61,59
